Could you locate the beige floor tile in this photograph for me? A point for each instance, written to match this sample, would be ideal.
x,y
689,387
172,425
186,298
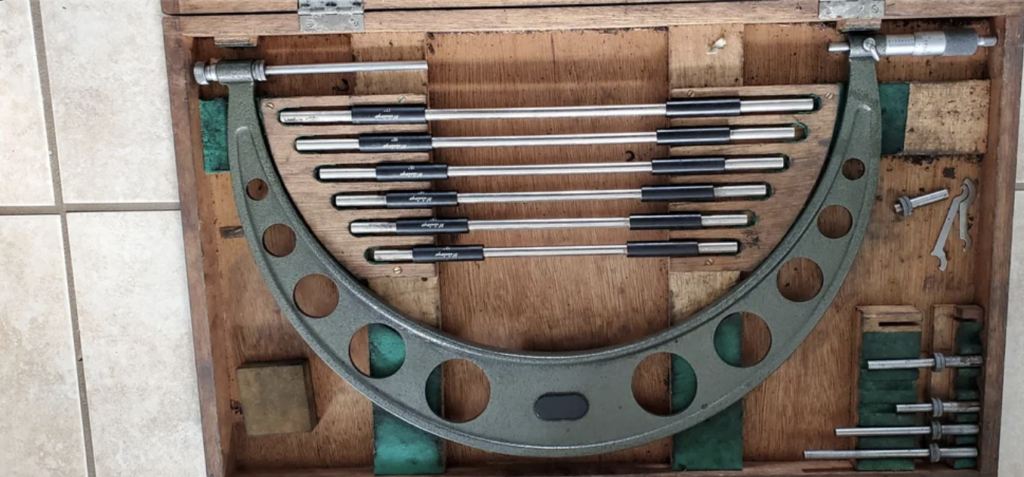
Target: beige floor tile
x,y
24,161
1011,459
109,87
40,412
136,338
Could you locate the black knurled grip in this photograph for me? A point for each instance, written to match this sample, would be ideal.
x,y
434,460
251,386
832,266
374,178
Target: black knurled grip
x,y
681,248
703,136
414,114
688,165
677,193
665,222
702,107
395,143
431,226
460,253
421,199
411,172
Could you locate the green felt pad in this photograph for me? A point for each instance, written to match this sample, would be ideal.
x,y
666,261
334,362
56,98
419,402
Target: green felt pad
x,y
398,447
213,116
894,98
717,443
881,390
965,385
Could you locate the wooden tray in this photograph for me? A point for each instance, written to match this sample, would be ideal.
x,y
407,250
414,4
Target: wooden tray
x,y
591,55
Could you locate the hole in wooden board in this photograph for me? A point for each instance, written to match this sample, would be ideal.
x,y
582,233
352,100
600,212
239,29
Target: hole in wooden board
x,y
800,280
835,221
316,296
279,240
743,339
377,351
465,381
257,189
853,169
683,383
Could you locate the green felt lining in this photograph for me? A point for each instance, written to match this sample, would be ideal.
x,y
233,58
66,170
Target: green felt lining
x,y
965,384
881,390
213,116
717,443
398,447
895,98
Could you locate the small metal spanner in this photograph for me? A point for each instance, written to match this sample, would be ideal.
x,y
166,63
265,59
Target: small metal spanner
x,y
959,206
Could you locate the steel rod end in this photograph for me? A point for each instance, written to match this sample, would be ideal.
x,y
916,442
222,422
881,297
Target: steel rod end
x,y
839,47
204,73
390,256
987,41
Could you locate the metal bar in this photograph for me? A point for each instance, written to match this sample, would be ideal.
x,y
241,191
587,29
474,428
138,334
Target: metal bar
x,y
577,250
549,169
941,453
432,226
746,106
355,67
522,197
942,407
938,362
668,137
476,252
547,140
937,431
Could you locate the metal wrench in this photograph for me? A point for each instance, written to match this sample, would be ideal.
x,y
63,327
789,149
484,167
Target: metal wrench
x,y
947,225
964,205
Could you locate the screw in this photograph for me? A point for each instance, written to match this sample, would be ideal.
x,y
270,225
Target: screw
x,y
270,105
906,205
397,270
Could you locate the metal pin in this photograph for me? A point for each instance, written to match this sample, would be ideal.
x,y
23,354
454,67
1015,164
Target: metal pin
x,y
906,205
433,226
934,453
937,362
702,107
939,407
936,430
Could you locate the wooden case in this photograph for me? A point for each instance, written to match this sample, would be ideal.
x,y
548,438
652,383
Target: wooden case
x,y
503,53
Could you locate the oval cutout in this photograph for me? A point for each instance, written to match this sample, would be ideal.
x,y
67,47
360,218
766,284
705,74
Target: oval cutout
x,y
561,406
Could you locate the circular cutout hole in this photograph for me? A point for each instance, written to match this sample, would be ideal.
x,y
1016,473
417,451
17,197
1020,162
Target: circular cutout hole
x,y
316,296
649,384
743,339
835,221
279,240
377,351
257,189
853,169
463,379
800,280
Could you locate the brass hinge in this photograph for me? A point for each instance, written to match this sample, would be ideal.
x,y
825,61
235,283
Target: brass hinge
x,y
331,15
850,9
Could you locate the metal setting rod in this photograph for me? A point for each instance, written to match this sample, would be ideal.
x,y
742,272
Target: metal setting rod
x,y
934,455
669,193
684,136
905,205
463,253
938,362
397,172
936,431
433,226
701,107
939,407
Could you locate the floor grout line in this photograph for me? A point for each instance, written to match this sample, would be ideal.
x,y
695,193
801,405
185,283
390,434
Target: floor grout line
x,y
39,38
89,207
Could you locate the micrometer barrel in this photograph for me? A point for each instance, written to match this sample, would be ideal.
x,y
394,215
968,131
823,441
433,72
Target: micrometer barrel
x,y
258,70
958,42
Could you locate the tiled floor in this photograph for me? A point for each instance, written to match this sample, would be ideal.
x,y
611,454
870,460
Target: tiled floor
x,y
97,374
